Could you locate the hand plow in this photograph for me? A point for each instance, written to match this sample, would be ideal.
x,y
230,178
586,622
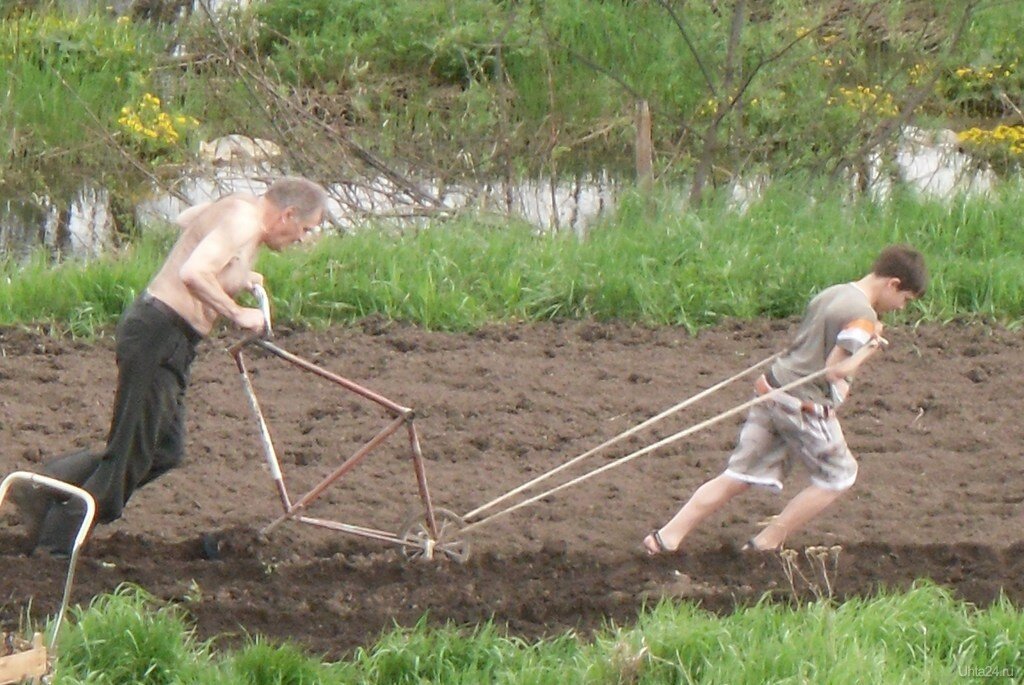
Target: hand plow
x,y
430,536
439,532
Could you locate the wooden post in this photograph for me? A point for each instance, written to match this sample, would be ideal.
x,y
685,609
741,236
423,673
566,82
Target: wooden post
x,y
644,149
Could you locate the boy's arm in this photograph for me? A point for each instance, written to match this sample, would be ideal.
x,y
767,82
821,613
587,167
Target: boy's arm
x,y
856,341
865,338
842,365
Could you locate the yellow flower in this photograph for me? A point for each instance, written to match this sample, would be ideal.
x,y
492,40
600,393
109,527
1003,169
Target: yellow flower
x,y
149,122
1001,140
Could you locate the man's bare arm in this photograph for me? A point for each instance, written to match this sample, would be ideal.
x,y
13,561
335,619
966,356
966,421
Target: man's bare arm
x,y
208,260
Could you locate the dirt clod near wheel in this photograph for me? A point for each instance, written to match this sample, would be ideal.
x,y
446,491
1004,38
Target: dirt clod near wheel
x,y
934,423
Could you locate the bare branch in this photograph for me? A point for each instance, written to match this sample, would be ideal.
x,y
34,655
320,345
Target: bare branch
x,y
1012,105
590,64
735,34
689,44
249,77
710,142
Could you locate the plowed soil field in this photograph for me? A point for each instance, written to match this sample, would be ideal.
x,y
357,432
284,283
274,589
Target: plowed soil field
x,y
935,422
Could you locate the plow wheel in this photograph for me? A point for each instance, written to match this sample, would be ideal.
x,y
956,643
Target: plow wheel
x,y
447,545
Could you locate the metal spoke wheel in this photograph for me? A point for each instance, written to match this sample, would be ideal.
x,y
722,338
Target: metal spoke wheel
x,y
422,547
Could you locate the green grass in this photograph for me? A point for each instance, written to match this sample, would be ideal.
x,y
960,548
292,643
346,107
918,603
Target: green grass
x,y
77,297
468,89
653,264
63,82
918,637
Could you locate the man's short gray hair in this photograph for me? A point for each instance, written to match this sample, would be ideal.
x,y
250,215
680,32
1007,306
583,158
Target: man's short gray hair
x,y
292,191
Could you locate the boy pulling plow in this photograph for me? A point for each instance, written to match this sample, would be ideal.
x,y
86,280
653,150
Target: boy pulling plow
x,y
806,395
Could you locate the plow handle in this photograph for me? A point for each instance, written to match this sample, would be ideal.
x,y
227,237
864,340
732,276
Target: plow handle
x,y
260,293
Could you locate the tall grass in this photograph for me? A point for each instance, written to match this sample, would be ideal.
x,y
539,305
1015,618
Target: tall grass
x,y
918,637
77,297
120,639
652,264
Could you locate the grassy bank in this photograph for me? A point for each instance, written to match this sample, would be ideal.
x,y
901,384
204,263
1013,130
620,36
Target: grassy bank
x,y
462,89
649,263
919,637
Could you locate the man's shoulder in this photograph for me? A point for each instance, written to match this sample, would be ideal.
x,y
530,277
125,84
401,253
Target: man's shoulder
x,y
232,213
234,203
239,202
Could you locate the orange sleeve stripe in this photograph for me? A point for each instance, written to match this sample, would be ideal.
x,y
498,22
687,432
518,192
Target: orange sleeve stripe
x,y
861,324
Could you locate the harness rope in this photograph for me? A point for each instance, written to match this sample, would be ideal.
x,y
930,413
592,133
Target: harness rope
x,y
621,436
665,441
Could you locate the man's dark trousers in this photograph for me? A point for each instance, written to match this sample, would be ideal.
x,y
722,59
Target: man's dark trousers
x,y
155,349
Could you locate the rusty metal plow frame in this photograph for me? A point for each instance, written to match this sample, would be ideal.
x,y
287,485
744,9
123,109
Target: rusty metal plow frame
x,y
419,539
481,520
434,536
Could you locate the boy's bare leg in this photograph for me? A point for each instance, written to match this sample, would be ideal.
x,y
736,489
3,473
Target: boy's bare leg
x,y
708,499
808,503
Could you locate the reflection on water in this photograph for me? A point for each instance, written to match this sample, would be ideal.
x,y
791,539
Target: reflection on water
x,y
547,205
85,227
82,228
928,162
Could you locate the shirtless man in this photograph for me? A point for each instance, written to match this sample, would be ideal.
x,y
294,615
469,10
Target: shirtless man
x,y
156,342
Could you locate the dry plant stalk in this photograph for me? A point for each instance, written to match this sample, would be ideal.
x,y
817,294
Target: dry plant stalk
x,y
822,574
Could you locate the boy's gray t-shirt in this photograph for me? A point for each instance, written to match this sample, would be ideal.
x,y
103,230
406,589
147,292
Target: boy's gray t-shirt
x,y
843,306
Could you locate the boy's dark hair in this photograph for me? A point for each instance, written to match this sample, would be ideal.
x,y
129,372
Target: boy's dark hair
x,y
905,263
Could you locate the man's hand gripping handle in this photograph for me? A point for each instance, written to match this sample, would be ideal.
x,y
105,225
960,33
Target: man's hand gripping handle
x,y
263,299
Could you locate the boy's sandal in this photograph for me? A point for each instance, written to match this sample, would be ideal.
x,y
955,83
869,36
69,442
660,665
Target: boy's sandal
x,y
660,546
751,547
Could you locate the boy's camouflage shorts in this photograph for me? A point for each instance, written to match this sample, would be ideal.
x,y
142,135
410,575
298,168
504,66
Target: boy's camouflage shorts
x,y
778,430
